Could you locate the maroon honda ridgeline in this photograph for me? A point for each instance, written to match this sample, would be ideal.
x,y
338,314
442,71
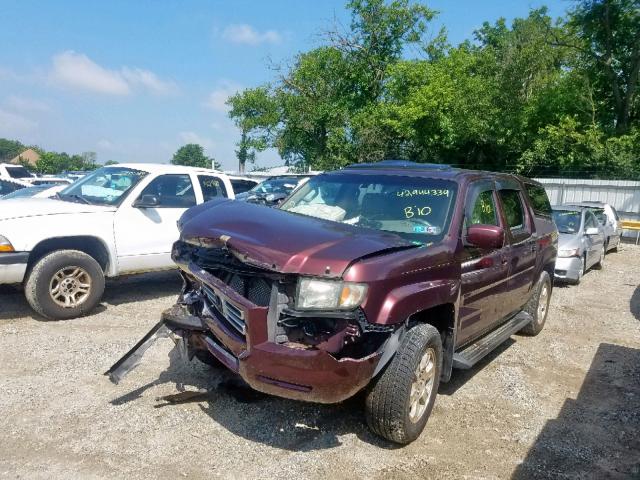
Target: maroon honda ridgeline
x,y
378,277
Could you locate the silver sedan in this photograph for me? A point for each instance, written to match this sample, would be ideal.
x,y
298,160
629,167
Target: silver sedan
x,y
581,243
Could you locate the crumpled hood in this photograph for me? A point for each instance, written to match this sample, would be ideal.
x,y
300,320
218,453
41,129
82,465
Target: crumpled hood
x,y
34,207
283,241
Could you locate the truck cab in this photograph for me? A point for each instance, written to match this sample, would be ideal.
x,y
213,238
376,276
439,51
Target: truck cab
x,y
116,220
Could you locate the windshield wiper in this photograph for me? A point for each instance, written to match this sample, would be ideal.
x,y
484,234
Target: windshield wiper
x,y
73,196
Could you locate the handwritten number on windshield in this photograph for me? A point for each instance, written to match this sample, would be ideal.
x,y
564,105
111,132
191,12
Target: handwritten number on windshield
x,y
410,212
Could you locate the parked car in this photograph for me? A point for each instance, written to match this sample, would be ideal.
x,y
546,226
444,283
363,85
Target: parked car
x,y
9,171
379,277
8,186
608,217
581,244
117,220
49,180
242,184
40,191
273,190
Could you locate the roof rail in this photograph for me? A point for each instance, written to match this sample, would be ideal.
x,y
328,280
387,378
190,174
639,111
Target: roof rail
x,y
400,164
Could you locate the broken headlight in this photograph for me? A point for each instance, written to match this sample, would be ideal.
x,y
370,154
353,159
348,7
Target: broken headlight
x,y
319,294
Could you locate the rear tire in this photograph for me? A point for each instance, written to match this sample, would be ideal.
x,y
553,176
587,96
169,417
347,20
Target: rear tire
x,y
399,401
65,284
538,306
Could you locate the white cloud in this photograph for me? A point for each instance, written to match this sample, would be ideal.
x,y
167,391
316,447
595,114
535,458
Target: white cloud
x,y
104,144
245,34
17,103
14,124
216,100
76,70
149,80
193,137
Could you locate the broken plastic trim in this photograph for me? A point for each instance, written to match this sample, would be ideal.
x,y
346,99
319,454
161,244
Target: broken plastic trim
x,y
134,356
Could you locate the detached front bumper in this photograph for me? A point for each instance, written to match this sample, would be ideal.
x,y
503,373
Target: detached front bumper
x,y
13,267
286,370
569,268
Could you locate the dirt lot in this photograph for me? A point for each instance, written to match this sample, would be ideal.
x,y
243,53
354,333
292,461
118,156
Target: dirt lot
x,y
565,404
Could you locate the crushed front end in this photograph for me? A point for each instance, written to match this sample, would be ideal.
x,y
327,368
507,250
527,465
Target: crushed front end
x,y
244,315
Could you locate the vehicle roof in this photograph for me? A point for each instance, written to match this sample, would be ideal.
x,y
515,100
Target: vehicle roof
x,y
568,206
430,170
240,177
164,168
588,204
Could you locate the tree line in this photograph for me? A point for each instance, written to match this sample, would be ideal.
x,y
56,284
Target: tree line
x,y
541,96
49,162
54,162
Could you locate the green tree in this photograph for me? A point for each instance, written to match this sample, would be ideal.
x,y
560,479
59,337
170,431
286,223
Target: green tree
x,y
538,96
110,162
10,149
54,163
192,155
255,113
606,36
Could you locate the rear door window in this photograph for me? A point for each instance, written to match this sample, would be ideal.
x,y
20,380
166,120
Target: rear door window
x,y
212,187
514,212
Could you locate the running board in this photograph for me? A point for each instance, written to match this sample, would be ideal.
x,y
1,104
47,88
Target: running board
x,y
472,354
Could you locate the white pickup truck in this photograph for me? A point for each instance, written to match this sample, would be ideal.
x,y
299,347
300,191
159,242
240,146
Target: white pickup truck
x,y
117,220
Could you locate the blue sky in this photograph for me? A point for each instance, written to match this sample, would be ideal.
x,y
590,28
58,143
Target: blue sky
x,y
134,80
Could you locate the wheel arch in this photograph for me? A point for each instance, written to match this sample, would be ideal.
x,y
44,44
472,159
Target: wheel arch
x,y
92,246
443,318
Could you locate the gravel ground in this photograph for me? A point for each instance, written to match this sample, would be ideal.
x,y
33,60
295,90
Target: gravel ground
x,y
565,404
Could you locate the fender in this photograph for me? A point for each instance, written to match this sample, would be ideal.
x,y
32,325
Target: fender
x,y
407,300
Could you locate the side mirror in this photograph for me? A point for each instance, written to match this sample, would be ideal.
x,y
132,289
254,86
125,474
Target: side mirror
x,y
146,201
485,236
591,231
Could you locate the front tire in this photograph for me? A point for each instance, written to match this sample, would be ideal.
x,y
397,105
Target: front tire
x,y
538,306
65,284
400,400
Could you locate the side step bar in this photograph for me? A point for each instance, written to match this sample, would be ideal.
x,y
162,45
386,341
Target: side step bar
x,y
472,354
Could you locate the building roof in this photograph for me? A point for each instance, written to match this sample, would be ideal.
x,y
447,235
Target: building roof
x,y
29,155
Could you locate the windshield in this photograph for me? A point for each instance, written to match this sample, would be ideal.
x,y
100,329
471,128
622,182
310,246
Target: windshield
x,y
18,172
418,209
105,186
26,192
567,221
276,185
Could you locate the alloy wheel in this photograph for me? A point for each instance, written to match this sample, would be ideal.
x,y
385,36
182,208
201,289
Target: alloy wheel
x,y
543,303
422,386
70,287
